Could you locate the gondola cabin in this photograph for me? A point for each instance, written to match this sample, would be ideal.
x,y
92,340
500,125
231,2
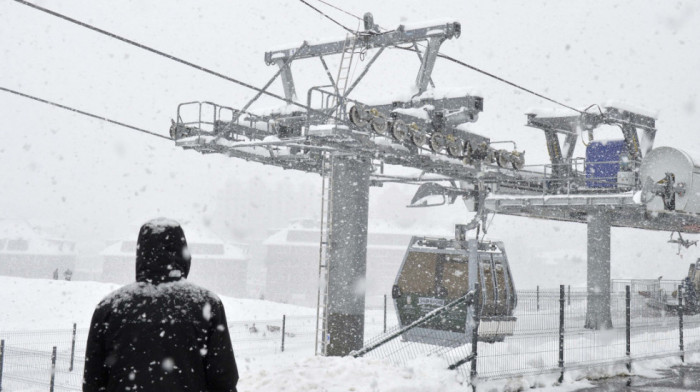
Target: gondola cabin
x,y
436,271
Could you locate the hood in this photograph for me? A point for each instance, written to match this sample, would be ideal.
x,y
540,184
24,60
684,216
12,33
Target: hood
x,y
161,252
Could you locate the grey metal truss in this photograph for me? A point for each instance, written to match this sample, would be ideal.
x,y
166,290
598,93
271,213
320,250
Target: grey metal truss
x,y
370,39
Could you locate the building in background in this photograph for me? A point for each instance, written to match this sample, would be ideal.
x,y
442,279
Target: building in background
x,y
34,250
217,265
292,261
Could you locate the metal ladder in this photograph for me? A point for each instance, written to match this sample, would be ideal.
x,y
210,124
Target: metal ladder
x,y
341,80
324,247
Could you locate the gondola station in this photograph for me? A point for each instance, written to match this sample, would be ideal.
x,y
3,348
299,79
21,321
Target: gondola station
x,y
621,183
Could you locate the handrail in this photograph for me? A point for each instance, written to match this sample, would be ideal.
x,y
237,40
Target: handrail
x,y
467,298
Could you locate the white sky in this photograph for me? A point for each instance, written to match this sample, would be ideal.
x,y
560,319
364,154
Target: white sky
x,y
104,180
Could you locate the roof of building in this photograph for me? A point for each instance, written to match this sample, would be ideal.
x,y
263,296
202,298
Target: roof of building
x,y
203,244
18,236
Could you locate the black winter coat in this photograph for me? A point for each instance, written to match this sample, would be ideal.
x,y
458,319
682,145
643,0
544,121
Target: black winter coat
x,y
160,333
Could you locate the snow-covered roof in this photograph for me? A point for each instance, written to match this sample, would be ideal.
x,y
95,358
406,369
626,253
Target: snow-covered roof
x,y
202,242
306,233
199,250
23,237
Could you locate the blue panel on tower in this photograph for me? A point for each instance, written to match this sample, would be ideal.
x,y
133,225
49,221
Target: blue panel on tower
x,y
603,162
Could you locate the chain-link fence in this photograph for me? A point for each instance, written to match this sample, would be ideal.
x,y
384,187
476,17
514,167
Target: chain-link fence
x,y
550,334
544,320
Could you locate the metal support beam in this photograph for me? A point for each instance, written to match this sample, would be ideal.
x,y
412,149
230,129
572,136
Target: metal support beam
x,y
284,66
427,63
420,58
598,280
347,254
287,79
569,146
330,77
399,36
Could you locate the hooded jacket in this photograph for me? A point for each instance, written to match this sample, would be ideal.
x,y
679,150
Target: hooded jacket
x,y
160,333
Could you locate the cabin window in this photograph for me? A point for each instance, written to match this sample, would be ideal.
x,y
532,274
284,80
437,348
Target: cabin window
x,y
455,279
418,274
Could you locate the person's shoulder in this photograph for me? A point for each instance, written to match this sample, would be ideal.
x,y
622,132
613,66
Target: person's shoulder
x,y
193,291
122,294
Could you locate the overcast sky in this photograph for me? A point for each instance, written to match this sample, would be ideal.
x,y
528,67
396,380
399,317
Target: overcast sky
x,y
102,180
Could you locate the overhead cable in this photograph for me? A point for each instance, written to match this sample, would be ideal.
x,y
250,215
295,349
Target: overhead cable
x,y
341,10
83,113
329,18
171,57
454,60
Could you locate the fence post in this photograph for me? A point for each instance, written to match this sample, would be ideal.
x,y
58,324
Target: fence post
x,y
628,328
53,369
680,321
561,332
475,335
72,349
568,298
538,298
2,359
284,325
384,313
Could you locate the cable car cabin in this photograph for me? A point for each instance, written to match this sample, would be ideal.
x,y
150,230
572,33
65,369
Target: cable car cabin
x,y
435,272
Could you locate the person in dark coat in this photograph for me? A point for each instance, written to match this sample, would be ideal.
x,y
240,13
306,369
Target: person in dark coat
x,y
160,333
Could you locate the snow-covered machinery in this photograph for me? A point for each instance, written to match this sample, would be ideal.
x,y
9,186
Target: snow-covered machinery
x,y
670,181
666,299
431,121
609,165
399,128
436,271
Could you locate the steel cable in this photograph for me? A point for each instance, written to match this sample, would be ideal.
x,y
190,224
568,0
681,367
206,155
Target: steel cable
x,y
83,113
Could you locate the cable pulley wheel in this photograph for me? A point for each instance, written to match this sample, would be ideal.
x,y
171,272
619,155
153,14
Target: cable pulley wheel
x,y
455,148
502,158
517,160
437,142
400,131
356,115
419,138
379,124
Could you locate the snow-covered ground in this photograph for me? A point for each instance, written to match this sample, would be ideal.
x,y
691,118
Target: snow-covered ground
x,y
98,179
37,314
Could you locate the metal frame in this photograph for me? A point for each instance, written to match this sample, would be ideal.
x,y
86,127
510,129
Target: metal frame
x,y
299,139
370,39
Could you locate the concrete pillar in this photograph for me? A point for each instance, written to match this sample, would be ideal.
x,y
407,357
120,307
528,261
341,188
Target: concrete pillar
x,y
347,254
598,279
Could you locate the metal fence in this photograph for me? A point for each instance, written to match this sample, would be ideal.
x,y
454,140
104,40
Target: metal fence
x,y
52,360
546,321
550,336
